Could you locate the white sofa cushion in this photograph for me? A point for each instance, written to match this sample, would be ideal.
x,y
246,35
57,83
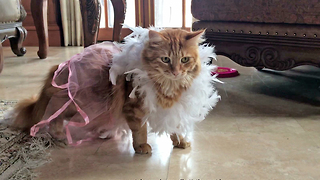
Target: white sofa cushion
x,y
9,11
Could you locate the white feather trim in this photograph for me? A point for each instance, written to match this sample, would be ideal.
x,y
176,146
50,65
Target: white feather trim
x,y
194,104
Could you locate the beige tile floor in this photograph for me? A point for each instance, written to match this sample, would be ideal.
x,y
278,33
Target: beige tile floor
x,y
266,126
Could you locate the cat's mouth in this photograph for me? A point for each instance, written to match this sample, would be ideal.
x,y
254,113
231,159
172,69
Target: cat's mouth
x,y
170,76
173,77
176,77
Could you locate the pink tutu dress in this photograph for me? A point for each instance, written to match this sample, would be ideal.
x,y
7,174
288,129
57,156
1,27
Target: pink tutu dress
x,y
84,70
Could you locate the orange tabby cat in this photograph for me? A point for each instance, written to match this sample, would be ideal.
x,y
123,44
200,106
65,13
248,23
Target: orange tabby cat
x,y
171,60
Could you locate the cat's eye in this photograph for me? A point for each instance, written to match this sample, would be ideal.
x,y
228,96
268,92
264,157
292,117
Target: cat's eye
x,y
185,59
165,59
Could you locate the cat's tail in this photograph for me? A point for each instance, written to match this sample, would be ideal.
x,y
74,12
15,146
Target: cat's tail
x,y
23,114
30,111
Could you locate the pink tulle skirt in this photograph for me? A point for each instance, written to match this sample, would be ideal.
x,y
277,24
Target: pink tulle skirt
x,y
84,72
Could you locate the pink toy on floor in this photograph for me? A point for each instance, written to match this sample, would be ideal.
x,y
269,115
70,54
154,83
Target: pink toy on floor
x,y
225,72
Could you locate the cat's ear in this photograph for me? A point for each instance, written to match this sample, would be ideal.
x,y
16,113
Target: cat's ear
x,y
194,38
154,37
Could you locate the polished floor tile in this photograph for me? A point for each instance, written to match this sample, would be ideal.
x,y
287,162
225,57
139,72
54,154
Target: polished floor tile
x,y
247,156
22,76
266,126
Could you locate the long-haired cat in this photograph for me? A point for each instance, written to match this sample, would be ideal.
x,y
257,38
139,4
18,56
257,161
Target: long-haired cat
x,y
170,58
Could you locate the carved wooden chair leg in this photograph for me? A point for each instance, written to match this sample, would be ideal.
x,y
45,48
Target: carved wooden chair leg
x,y
91,12
39,10
119,7
1,58
16,42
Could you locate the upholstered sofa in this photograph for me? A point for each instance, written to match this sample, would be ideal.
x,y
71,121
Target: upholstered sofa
x,y
11,16
275,34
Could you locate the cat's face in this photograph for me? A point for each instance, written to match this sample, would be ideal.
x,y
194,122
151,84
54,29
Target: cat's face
x,y
172,54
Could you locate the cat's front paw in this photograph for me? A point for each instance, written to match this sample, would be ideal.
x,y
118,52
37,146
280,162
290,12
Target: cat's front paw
x,y
143,149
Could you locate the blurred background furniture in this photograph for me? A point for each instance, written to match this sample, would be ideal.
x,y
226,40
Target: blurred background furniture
x,y
274,34
119,9
11,16
91,12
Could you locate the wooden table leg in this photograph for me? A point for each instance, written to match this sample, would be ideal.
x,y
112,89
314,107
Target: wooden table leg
x,y
91,13
1,58
119,7
39,10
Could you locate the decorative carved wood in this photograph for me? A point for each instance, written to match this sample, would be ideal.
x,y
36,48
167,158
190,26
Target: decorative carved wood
x,y
16,34
119,7
268,56
39,10
53,24
16,42
252,49
91,13
117,32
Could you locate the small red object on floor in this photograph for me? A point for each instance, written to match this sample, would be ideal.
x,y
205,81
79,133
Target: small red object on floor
x,y
225,72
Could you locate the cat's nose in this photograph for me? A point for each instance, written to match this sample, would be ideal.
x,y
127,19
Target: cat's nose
x,y
176,73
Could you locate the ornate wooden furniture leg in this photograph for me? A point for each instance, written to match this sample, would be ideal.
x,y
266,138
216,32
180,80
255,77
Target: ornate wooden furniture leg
x,y
1,58
91,12
40,18
119,7
16,42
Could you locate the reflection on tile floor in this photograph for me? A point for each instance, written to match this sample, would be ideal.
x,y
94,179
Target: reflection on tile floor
x,y
266,126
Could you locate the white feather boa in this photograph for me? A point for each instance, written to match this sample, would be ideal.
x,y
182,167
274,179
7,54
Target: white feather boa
x,y
195,102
